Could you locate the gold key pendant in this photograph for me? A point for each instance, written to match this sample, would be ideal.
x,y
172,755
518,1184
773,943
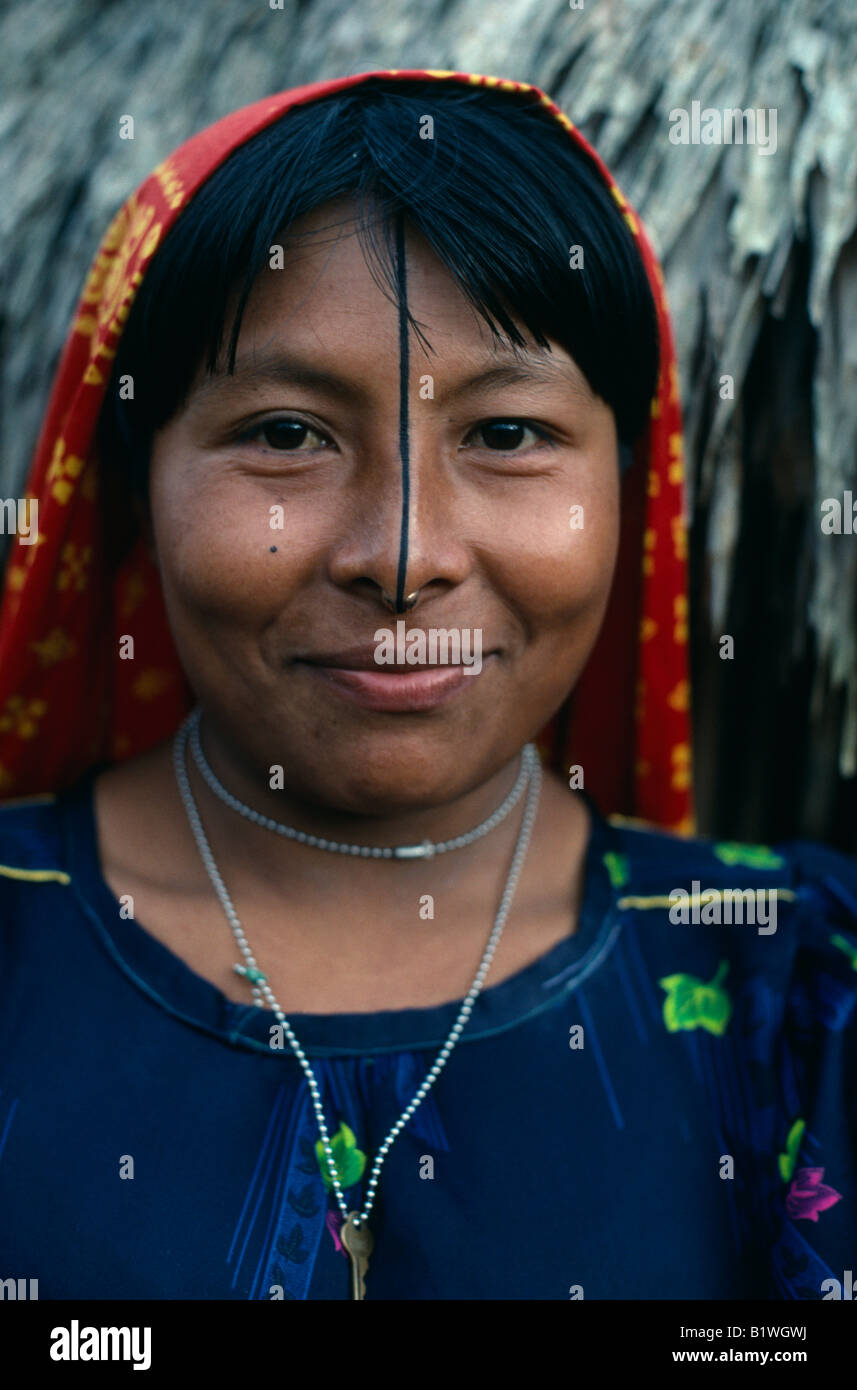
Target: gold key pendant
x,y
357,1239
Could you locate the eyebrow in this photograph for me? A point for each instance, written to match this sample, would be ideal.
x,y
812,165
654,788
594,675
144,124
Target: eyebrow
x,y
523,369
528,371
278,369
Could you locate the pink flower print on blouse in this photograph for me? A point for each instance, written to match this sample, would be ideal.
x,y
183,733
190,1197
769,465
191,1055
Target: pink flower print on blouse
x,y
808,1195
333,1222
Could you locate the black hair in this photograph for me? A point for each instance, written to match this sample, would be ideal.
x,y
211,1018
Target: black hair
x,y
500,192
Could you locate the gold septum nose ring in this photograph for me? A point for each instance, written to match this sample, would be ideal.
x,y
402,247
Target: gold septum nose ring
x,y
410,601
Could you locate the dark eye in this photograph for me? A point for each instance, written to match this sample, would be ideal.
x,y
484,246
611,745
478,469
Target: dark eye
x,y
506,435
286,434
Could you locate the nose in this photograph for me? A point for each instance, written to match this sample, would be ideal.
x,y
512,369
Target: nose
x,y
391,552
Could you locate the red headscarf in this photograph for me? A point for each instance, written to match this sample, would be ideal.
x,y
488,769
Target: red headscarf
x,y
69,701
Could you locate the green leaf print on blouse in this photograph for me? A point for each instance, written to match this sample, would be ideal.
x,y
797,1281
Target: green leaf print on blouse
x,y
788,1160
751,856
349,1160
691,1003
844,944
617,868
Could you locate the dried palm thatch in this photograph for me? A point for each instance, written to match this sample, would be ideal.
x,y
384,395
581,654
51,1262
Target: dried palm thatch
x,y
759,251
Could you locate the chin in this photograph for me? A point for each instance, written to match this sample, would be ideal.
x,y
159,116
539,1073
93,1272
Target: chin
x,y
389,773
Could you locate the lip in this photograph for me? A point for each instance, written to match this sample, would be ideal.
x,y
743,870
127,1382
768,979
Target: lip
x,y
356,658
397,690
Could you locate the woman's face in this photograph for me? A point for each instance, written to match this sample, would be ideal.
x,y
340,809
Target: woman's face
x,y
269,618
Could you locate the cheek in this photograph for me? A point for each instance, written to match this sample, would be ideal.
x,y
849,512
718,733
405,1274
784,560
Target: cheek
x,y
230,552
557,566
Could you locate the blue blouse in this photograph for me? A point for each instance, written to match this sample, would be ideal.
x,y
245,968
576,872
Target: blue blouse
x,y
655,1108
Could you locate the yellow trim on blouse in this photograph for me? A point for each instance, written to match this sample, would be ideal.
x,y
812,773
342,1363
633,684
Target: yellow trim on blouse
x,y
42,799
696,899
34,875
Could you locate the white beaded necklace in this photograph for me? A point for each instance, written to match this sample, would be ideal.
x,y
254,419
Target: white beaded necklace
x,y
427,850
355,1233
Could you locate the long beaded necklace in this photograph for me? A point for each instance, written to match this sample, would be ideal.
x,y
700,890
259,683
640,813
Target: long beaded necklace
x,y
355,1233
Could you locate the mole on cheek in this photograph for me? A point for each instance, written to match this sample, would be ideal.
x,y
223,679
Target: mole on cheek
x,y
273,548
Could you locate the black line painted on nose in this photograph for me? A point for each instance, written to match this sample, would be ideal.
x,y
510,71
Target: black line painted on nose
x,y
404,437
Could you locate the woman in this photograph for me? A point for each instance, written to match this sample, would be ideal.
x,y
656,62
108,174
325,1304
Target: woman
x,y
330,990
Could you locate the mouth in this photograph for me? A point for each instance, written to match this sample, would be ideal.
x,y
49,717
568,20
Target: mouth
x,y
393,689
